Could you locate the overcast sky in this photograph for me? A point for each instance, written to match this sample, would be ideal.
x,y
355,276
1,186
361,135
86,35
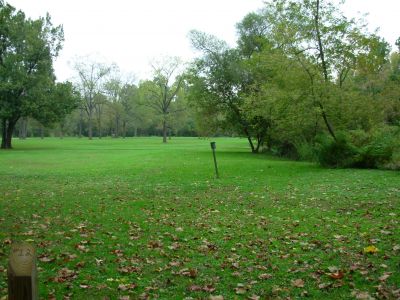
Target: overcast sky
x,y
133,33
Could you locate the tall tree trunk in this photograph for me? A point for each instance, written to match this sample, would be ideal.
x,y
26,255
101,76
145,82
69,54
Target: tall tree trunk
x,y
100,133
253,149
327,123
116,126
164,131
3,133
324,69
7,132
80,122
61,130
25,131
42,132
23,128
90,126
123,129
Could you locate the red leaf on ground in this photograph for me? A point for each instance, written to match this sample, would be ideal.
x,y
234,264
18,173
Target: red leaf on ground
x,y
337,275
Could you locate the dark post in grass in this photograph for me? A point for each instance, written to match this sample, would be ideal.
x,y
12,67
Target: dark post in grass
x,y
213,147
22,274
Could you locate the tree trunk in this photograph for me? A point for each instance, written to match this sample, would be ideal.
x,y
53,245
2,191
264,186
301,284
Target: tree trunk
x,y
164,131
7,132
90,127
61,130
42,132
80,123
123,129
324,69
116,126
25,133
328,125
23,129
253,149
3,133
99,128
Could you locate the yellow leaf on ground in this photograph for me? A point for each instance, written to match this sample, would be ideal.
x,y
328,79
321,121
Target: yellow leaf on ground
x,y
371,249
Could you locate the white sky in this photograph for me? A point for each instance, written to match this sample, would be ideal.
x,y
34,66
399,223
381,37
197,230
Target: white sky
x,y
132,33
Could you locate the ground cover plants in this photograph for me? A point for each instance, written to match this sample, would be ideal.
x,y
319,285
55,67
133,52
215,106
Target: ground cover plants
x,y
137,219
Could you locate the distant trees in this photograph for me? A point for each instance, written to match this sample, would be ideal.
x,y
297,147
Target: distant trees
x,y
161,93
303,81
92,77
27,81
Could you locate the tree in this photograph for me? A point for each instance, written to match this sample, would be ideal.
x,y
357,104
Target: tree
x,y
27,81
219,83
129,100
161,92
323,41
92,77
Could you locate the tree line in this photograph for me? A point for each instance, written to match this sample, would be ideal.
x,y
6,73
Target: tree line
x,y
303,81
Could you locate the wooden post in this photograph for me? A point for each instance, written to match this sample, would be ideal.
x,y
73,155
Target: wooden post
x,y
213,147
22,274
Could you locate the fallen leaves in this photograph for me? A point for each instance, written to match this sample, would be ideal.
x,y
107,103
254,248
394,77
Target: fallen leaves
x,y
361,295
371,249
45,258
126,287
197,288
129,269
299,283
337,275
188,272
385,276
64,275
219,297
264,276
240,289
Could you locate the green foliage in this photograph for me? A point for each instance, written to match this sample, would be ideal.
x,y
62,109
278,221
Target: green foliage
x,y
27,81
378,150
339,153
359,149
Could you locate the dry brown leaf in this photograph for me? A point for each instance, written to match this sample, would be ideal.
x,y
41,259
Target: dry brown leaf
x,y
194,288
219,297
265,276
385,276
298,283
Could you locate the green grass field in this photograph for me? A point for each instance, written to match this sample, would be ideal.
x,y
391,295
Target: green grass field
x,y
113,218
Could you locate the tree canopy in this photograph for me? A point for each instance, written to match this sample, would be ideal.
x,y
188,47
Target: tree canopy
x,y
27,81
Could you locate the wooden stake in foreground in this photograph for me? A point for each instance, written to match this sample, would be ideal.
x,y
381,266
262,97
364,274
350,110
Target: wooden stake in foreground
x,y
22,274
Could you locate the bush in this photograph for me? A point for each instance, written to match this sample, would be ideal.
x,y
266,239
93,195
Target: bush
x,y
360,149
339,153
306,151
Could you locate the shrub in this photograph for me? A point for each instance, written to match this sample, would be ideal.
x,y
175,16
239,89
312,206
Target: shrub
x,y
360,149
339,153
306,151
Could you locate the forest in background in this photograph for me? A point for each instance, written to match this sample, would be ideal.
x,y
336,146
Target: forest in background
x,y
303,81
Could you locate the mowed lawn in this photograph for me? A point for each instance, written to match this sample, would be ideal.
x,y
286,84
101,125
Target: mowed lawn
x,y
137,219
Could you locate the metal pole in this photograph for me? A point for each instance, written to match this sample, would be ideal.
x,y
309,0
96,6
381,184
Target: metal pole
x,y
213,147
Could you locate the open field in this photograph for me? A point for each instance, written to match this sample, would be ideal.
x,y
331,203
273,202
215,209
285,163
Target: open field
x,y
113,218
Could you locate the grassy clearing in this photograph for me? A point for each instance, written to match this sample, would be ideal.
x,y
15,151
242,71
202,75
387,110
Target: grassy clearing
x,y
113,218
